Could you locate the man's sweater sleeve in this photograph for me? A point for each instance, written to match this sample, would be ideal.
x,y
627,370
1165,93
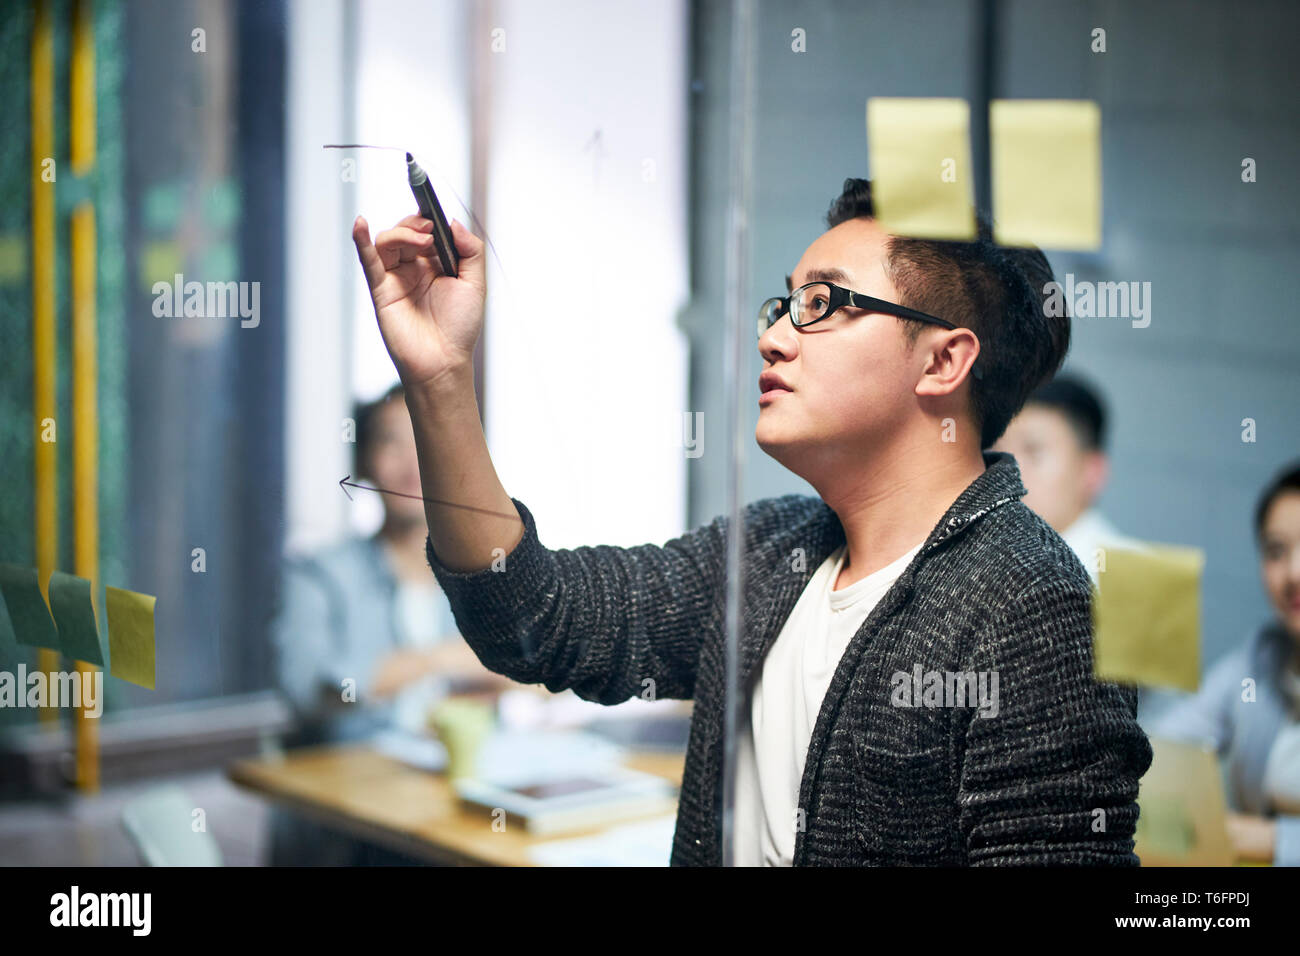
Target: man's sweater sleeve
x,y
608,623
1052,779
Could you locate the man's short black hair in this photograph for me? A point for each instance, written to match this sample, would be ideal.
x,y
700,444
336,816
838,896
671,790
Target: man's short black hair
x,y
996,292
1287,480
364,415
1079,403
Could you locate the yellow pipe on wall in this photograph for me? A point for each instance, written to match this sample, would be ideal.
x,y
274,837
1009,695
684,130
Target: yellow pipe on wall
x,y
85,457
44,357
85,367
82,82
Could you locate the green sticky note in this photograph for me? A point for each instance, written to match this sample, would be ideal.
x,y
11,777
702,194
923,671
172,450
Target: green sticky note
x,y
1046,171
130,636
221,261
1147,617
221,205
162,205
1165,827
160,261
1182,808
74,615
32,624
919,152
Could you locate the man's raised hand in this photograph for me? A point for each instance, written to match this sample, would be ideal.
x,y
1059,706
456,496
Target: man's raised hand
x,y
430,322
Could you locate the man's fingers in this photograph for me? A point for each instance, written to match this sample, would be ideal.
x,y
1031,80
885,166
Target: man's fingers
x,y
417,222
467,244
473,264
371,262
402,244
399,235
408,240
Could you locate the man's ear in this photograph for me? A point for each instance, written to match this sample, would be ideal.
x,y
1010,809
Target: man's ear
x,y
949,356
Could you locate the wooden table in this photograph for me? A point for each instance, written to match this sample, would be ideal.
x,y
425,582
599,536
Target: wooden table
x,y
375,797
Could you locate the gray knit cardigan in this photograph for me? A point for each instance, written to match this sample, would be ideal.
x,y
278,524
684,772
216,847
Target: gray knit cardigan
x,y
890,779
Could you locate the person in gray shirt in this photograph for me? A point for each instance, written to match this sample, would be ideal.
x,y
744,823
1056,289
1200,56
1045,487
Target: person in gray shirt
x,y
1248,707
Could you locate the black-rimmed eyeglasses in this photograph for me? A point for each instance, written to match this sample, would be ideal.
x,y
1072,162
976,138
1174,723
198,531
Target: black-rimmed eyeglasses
x,y
814,301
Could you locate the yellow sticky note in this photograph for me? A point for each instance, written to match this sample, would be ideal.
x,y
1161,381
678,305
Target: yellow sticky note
x,y
1182,808
1165,826
1147,616
131,636
160,260
1046,172
919,151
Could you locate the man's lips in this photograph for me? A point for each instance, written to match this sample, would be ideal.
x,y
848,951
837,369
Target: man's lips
x,y
770,381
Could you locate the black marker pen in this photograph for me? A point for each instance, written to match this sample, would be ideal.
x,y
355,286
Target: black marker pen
x,y
430,209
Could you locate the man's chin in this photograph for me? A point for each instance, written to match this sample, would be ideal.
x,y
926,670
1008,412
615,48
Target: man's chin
x,y
774,444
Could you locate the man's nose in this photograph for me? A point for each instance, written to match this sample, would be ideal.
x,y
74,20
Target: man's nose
x,y
778,341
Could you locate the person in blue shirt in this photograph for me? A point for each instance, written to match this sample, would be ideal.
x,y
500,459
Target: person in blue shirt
x,y
365,640
1248,707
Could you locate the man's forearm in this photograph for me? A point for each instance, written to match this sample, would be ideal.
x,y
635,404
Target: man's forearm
x,y
455,467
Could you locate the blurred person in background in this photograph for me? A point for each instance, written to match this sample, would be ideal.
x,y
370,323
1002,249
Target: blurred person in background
x,y
1248,707
1059,441
365,640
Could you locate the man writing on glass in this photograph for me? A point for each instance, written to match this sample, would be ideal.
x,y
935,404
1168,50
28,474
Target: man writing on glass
x,y
916,657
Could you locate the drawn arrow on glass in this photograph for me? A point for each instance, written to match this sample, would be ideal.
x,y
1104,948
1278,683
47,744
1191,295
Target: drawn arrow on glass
x,y
345,482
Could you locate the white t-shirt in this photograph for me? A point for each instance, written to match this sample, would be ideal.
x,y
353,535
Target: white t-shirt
x,y
1092,532
772,746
